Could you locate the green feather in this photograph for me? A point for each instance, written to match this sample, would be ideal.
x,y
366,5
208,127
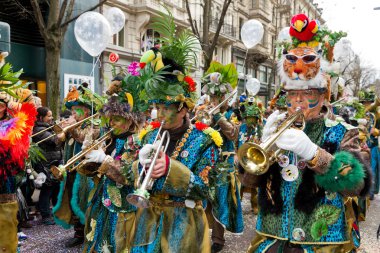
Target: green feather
x,y
334,182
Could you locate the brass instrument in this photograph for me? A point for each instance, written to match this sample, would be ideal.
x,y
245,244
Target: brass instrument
x,y
140,197
70,164
206,117
48,128
58,129
256,159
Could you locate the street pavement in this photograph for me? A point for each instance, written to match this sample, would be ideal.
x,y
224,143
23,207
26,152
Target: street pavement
x,y
49,239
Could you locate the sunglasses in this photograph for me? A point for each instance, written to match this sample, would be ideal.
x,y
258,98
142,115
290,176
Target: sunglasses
x,y
306,58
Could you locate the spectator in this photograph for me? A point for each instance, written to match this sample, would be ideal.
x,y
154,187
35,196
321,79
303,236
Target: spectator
x,y
51,149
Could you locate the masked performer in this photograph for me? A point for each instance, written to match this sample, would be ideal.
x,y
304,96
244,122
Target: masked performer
x,y
250,130
301,198
75,188
175,220
17,116
225,204
109,217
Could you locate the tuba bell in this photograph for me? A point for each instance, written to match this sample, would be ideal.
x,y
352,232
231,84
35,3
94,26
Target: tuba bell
x,y
140,197
256,159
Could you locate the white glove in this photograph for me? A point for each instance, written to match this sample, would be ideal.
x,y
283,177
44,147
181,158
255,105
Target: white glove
x,y
40,180
87,141
298,142
146,153
95,156
271,124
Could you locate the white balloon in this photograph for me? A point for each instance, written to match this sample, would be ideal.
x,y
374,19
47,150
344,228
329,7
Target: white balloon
x,y
252,86
251,32
284,35
92,31
116,18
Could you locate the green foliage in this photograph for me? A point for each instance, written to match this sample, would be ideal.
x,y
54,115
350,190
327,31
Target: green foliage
x,y
135,86
35,154
228,72
10,80
92,98
181,47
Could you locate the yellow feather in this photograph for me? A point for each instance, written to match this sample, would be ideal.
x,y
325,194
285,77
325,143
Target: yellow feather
x,y
130,99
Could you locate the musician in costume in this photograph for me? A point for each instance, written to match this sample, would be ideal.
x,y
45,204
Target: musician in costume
x,y
301,198
75,188
109,217
175,220
17,116
225,204
372,105
251,110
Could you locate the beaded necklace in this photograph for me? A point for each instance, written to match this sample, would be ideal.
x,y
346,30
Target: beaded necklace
x,y
180,145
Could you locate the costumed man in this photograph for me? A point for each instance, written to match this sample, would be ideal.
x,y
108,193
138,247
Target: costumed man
x,y
109,217
174,219
301,198
224,211
372,105
75,188
17,116
250,130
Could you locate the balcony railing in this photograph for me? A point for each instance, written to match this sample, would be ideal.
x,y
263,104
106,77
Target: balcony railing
x,y
226,29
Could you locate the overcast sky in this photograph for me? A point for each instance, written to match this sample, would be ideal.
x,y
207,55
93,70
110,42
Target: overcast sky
x,y
360,21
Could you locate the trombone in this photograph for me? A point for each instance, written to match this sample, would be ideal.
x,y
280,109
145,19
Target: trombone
x,y
48,128
140,197
256,159
206,117
59,171
58,129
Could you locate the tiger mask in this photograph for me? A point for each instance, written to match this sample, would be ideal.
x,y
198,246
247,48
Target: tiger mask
x,y
299,69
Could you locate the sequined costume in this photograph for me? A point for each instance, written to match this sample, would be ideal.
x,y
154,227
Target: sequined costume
x,y
284,216
225,195
176,221
109,217
75,188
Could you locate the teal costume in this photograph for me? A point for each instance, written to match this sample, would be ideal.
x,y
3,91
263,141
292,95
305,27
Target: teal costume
x,y
322,222
108,201
176,220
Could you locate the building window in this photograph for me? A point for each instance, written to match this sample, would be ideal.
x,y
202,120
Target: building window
x,y
240,65
264,40
241,22
119,38
263,77
149,39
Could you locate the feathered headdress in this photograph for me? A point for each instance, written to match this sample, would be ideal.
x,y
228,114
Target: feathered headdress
x,y
86,98
130,101
164,69
16,129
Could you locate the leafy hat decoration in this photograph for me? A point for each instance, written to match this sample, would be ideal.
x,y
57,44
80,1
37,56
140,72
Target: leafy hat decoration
x,y
220,79
164,69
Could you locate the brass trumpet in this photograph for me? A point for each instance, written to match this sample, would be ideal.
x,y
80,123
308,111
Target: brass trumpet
x,y
206,117
140,197
256,159
70,166
58,129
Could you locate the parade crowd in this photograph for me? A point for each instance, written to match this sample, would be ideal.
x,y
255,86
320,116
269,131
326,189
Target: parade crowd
x,y
148,167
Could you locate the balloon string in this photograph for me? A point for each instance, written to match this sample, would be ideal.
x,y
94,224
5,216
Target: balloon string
x,y
245,78
94,63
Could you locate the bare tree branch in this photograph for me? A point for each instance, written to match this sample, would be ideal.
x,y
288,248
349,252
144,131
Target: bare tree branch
x,y
38,17
226,4
68,15
62,11
77,16
194,29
